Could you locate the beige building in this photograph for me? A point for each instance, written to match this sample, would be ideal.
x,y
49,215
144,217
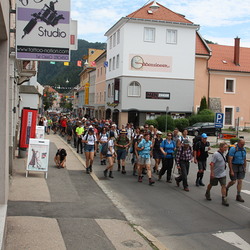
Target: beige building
x,y
100,86
222,75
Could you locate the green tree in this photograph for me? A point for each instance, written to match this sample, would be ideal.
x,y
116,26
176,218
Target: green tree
x,y
203,104
47,100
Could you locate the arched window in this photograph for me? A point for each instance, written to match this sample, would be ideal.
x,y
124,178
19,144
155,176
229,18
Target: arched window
x,y
134,89
109,90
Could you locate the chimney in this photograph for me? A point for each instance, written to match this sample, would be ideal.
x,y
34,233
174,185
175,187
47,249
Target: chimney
x,y
237,51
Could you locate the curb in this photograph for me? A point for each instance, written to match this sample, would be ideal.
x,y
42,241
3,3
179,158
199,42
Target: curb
x,y
132,221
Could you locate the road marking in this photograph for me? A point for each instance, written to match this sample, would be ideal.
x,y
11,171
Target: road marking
x,y
244,207
233,239
245,191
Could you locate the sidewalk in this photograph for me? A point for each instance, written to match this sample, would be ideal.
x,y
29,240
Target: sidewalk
x,y
66,211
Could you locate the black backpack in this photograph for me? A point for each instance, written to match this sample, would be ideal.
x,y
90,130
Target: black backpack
x,y
104,149
196,139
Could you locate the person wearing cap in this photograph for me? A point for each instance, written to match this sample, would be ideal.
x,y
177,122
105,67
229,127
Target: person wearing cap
x,y
89,140
122,143
110,155
167,148
157,154
183,157
144,150
201,149
114,129
218,173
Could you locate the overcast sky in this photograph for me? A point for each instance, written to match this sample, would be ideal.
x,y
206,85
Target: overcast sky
x,y
220,20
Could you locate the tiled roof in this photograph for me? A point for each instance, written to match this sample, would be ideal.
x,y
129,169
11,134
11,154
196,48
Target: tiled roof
x,y
223,58
50,89
162,13
201,48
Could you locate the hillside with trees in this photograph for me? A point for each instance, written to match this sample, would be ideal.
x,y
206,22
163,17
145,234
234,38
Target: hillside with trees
x,y
57,74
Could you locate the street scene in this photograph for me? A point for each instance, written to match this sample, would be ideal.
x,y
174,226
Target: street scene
x,y
124,125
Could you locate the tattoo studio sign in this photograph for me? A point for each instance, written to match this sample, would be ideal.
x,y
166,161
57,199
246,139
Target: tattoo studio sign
x,y
43,30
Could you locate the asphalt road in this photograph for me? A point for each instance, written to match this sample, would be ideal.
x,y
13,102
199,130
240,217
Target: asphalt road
x,y
179,219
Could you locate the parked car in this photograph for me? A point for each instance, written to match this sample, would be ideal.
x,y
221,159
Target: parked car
x,y
203,127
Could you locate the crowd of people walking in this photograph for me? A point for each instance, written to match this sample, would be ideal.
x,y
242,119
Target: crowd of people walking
x,y
142,144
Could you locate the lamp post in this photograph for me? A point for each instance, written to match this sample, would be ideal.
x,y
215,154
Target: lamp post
x,y
166,127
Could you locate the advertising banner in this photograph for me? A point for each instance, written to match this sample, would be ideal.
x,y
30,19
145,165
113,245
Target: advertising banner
x,y
43,30
40,132
38,156
28,126
150,63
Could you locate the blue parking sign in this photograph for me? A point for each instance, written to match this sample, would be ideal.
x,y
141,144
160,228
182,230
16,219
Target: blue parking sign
x,y
219,120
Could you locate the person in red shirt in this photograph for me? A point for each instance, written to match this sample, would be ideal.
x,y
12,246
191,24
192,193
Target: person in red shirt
x,y
64,125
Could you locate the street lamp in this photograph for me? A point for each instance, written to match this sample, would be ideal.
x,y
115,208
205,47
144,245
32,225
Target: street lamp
x,y
166,127
67,81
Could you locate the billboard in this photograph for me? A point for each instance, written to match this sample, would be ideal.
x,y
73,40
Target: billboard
x,y
28,126
38,156
150,63
43,30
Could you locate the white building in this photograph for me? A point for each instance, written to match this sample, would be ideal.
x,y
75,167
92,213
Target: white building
x,y
151,57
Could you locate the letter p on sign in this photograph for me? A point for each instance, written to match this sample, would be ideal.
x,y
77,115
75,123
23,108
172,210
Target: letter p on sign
x,y
219,118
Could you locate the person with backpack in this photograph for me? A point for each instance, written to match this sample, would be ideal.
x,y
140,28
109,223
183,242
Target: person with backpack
x,y
237,167
201,149
218,173
60,158
157,153
144,150
103,141
89,140
110,155
183,157
167,148
122,143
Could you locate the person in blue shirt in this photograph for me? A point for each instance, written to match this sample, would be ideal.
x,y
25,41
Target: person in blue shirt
x,y
167,148
237,167
144,149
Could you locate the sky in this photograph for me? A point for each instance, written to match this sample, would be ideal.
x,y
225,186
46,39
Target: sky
x,y
220,20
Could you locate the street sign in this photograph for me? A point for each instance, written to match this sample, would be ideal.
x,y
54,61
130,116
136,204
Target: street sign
x,y
219,120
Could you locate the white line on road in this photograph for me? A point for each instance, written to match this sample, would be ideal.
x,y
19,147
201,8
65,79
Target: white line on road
x,y
245,191
244,207
233,239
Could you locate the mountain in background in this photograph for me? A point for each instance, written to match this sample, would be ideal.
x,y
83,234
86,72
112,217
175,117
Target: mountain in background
x,y
57,74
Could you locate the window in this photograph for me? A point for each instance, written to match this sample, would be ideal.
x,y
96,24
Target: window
x,y
117,61
114,40
228,116
104,96
110,61
97,72
134,89
149,35
109,90
100,96
172,36
112,89
101,70
118,36
230,86
113,63
110,42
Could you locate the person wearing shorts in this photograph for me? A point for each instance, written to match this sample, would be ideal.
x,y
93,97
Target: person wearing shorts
x,y
110,155
201,149
218,173
237,165
144,149
122,143
89,140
